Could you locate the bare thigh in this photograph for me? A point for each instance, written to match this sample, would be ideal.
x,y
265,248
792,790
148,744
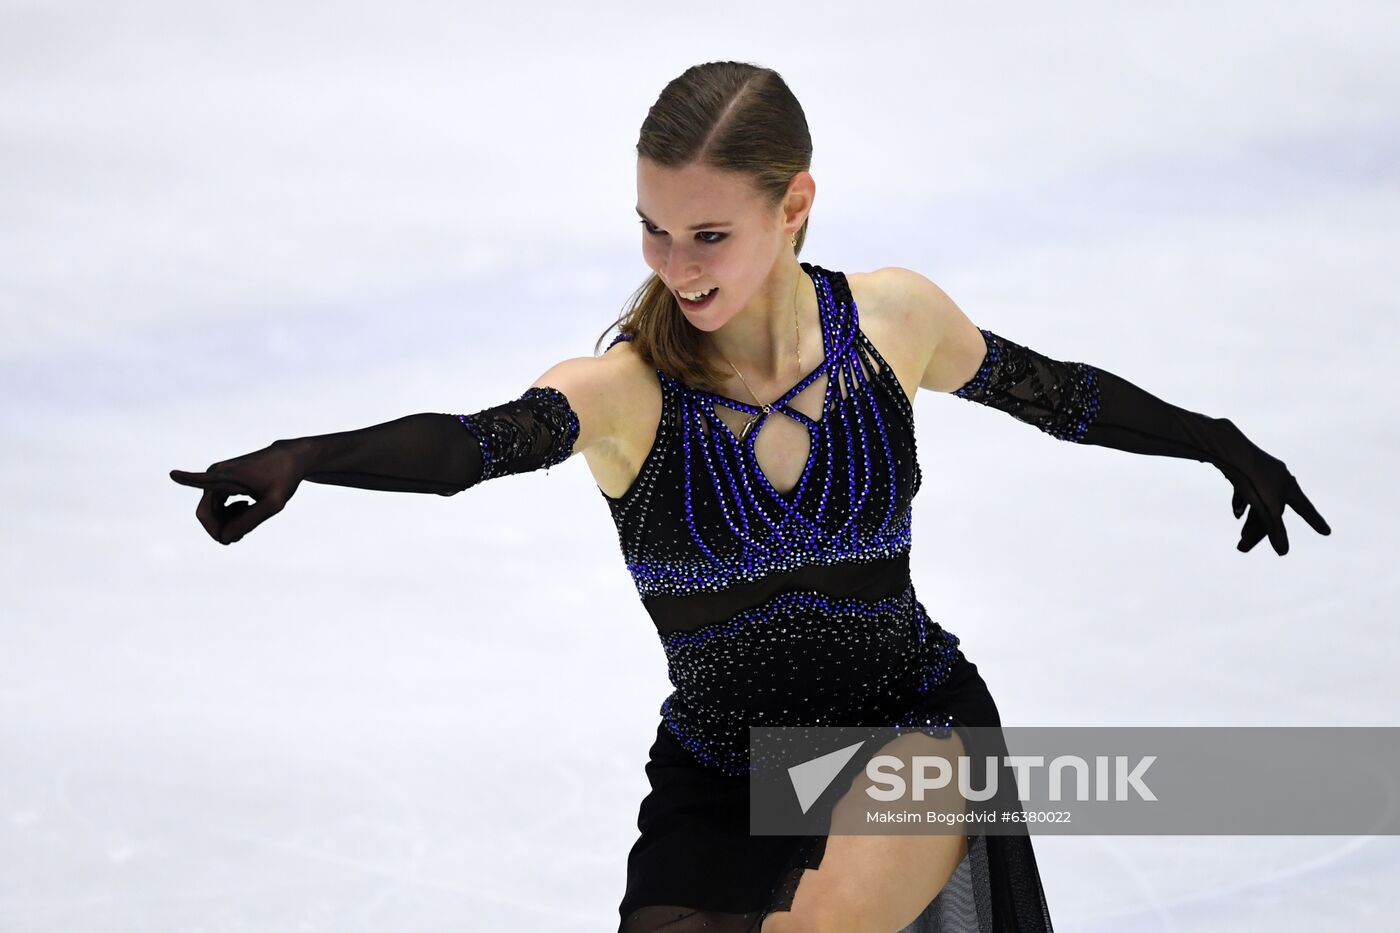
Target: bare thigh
x,y
879,883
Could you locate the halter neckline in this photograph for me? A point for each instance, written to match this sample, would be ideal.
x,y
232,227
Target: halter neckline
x,y
801,383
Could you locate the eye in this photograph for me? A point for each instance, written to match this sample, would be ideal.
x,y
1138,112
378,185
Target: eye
x,y
704,233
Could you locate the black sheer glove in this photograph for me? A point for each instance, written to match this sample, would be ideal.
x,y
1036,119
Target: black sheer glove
x,y
1086,405
425,453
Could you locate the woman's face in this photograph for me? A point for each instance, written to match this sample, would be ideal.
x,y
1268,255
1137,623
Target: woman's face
x,y
703,228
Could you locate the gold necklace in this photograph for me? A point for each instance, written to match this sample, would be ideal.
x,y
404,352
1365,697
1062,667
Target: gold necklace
x,y
768,409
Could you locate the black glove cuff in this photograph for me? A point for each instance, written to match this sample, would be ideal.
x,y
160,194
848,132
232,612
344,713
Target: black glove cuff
x,y
1059,398
537,430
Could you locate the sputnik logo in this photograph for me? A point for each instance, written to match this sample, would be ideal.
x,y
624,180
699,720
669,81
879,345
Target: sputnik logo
x,y
811,778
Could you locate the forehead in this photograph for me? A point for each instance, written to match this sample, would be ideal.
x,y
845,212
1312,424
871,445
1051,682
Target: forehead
x,y
681,191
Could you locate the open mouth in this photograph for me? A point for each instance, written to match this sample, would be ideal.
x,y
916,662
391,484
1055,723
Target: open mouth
x,y
689,305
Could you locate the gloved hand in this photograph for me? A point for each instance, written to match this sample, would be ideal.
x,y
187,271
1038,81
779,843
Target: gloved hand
x,y
1265,486
269,477
1129,418
429,452
1085,404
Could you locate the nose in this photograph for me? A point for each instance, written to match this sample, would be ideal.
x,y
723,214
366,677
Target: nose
x,y
679,267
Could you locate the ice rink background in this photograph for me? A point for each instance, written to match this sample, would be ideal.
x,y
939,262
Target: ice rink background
x,y
225,224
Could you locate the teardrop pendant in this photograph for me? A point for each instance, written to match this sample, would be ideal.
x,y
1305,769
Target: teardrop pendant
x,y
748,425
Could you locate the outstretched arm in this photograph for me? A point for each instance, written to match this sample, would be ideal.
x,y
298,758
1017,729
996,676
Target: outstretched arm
x,y
1087,404
429,452
444,453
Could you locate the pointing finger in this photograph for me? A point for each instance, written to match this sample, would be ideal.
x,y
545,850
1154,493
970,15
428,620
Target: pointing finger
x,y
1303,507
186,478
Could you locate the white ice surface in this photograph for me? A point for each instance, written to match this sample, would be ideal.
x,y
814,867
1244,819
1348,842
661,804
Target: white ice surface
x,y
225,224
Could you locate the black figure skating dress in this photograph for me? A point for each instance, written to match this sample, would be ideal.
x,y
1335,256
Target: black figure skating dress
x,y
787,608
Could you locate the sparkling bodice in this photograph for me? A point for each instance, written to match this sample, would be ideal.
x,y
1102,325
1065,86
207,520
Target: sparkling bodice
x,y
785,608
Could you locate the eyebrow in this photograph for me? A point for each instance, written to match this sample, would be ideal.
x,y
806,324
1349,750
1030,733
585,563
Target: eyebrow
x,y
708,223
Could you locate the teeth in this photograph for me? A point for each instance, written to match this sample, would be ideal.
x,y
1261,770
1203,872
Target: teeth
x,y
695,296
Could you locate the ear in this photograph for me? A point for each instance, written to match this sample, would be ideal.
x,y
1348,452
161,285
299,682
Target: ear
x,y
797,202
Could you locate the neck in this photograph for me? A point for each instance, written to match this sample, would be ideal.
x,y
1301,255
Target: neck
x,y
760,339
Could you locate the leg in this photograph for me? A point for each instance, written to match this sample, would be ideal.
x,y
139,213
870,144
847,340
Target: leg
x,y
876,883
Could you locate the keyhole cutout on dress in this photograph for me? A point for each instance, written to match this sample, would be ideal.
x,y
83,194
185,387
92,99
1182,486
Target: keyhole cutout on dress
x,y
783,445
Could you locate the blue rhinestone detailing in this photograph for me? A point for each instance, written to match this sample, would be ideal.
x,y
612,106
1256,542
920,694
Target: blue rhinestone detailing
x,y
852,503
537,430
1059,398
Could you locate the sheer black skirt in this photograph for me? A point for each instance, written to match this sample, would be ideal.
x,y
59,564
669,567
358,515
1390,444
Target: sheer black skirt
x,y
696,867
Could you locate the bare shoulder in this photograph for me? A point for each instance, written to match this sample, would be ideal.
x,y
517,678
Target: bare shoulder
x,y
932,344
614,395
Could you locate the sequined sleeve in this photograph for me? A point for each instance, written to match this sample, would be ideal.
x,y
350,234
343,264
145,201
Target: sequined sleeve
x,y
535,431
1060,398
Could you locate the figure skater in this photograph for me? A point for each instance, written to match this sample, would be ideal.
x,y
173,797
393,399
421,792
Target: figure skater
x,y
751,430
